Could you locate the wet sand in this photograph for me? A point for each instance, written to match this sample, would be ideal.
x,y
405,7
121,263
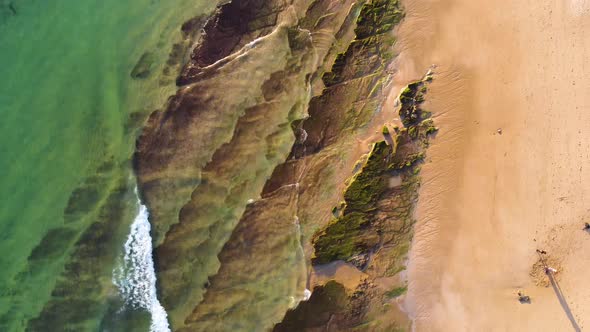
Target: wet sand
x,y
488,200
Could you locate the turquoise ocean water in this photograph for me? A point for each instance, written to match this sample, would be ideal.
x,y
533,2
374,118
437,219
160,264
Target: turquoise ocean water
x,y
69,113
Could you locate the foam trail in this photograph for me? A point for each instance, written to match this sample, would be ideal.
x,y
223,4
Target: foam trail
x,y
135,276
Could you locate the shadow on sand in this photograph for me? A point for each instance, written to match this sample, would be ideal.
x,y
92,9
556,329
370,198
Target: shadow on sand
x,y
563,302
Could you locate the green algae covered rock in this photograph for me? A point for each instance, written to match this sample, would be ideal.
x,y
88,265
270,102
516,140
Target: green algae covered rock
x,y
373,207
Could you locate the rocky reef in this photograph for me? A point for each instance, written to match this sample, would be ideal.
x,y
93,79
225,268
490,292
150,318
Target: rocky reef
x,y
246,170
372,229
77,300
262,263
378,203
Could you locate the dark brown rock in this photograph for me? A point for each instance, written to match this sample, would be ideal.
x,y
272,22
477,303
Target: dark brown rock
x,y
233,25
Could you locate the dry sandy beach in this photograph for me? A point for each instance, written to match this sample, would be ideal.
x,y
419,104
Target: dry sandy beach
x,y
488,200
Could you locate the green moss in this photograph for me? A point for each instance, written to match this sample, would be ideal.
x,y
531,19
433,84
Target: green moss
x,y
351,233
410,99
414,158
428,127
392,271
407,95
377,17
413,132
339,240
419,98
374,21
396,292
358,224
367,187
334,77
388,55
416,170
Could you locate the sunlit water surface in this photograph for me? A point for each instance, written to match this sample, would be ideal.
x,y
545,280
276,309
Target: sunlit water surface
x,y
70,112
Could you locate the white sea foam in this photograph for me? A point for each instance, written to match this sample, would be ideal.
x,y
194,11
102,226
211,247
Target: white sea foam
x,y
306,294
135,276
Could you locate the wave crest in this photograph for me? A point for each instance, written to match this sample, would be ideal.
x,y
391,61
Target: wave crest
x,y
135,276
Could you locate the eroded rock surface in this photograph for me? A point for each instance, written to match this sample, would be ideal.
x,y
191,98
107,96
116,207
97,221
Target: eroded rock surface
x,y
212,149
371,229
264,130
262,273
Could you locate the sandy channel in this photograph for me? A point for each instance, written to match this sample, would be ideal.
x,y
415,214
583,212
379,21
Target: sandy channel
x,y
489,200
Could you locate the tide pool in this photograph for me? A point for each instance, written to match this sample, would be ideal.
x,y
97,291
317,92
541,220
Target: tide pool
x,y
70,112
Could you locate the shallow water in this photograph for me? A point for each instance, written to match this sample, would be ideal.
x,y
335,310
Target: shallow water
x,y
69,108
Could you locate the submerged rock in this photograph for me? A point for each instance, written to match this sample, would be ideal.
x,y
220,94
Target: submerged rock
x,y
11,8
144,66
77,300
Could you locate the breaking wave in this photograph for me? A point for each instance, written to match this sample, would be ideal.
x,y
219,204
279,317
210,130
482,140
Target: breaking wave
x,y
135,275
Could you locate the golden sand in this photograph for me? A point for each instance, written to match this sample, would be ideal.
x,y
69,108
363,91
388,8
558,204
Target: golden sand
x,y
489,199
